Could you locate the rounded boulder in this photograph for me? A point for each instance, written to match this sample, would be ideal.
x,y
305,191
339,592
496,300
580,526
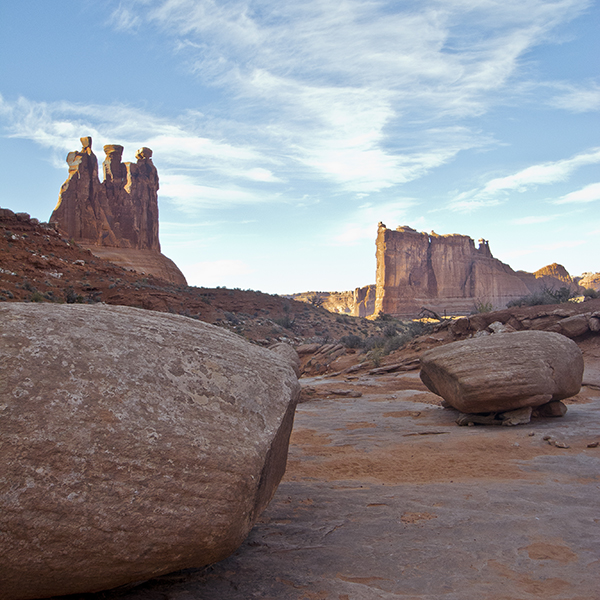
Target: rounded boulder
x,y
133,444
504,371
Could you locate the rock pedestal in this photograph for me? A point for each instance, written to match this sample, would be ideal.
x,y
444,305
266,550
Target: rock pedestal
x,y
504,371
133,444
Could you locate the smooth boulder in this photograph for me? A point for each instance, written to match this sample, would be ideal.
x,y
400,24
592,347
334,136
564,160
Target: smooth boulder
x,y
504,371
133,444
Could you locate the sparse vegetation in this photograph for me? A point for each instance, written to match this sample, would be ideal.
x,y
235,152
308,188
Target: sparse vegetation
x,y
483,307
72,297
544,296
316,300
352,341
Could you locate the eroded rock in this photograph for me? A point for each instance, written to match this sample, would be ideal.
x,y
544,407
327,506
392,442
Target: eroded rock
x,y
449,274
504,371
133,443
117,219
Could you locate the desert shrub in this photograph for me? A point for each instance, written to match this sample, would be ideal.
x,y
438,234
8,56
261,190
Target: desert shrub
x,y
416,328
287,322
396,342
483,307
352,341
72,297
590,293
315,300
345,319
372,342
231,318
36,297
389,331
544,296
383,317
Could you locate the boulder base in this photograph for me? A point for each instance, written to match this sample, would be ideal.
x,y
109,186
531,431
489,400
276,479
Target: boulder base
x,y
504,371
133,444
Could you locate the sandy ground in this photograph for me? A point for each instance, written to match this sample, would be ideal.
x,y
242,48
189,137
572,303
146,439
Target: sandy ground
x,y
386,497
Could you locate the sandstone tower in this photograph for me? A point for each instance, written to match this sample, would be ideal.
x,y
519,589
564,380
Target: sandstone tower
x,y
117,219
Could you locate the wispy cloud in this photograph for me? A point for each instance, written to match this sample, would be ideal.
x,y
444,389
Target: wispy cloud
x,y
590,193
578,98
190,197
337,78
495,190
189,163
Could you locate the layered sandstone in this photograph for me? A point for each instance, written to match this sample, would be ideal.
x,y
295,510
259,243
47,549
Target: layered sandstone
x,y
117,218
443,273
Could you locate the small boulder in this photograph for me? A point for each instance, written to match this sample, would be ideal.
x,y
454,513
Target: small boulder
x,y
552,409
133,444
574,326
504,371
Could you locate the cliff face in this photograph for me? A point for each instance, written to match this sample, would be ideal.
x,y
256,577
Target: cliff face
x,y
442,273
363,303
120,212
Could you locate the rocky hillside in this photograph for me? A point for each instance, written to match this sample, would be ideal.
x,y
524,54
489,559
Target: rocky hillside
x,y
39,264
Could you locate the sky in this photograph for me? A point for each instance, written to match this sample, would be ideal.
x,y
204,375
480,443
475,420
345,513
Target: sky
x,y
283,132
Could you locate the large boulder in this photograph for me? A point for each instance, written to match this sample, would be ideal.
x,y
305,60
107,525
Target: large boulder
x,y
133,444
504,371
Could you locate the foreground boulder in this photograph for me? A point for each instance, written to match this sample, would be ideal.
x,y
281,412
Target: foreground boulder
x,y
133,444
504,371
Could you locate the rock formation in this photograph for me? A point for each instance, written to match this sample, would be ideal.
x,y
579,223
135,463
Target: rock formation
x,y
364,301
504,371
590,281
134,444
448,274
117,219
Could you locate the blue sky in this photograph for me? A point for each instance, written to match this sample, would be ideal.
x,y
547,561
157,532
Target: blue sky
x,y
284,132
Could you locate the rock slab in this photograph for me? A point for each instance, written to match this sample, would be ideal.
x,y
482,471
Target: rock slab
x,y
504,371
133,444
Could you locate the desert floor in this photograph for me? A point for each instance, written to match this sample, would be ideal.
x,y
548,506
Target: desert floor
x,y
386,497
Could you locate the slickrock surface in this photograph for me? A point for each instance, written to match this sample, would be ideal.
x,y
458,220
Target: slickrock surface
x,y
133,444
504,371
120,213
385,497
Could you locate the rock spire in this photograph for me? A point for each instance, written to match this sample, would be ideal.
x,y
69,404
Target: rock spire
x,y
121,212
